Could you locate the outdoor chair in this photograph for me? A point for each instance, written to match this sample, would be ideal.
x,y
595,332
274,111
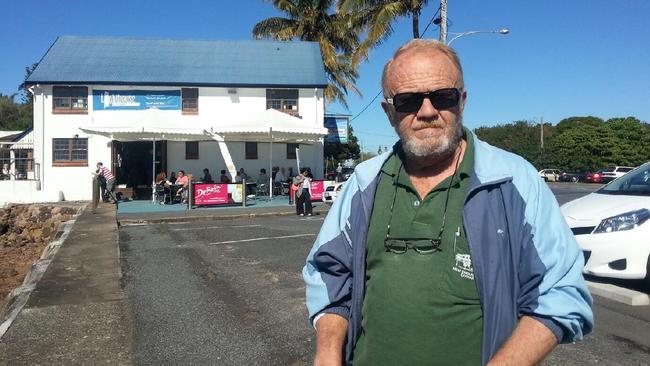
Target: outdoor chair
x,y
163,195
262,190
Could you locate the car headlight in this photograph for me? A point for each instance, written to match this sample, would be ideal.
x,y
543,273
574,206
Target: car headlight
x,y
624,221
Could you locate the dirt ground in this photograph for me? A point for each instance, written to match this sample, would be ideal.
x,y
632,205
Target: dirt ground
x,y
25,231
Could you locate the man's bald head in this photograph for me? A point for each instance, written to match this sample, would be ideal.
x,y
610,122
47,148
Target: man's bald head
x,y
422,46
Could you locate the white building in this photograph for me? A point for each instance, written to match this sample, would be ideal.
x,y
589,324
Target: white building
x,y
197,104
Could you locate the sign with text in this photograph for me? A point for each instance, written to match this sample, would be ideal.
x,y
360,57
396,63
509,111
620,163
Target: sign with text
x,y
217,194
318,187
337,129
135,100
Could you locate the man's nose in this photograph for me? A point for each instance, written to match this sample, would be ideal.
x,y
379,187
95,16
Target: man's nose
x,y
427,111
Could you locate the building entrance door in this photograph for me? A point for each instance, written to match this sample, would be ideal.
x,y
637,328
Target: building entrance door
x,y
132,165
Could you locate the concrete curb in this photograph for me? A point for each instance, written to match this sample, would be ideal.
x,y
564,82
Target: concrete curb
x,y
619,294
19,296
177,219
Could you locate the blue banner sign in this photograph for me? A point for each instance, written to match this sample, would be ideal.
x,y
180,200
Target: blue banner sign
x,y
337,129
133,100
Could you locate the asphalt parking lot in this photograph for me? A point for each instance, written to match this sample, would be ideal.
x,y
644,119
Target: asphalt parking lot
x,y
231,292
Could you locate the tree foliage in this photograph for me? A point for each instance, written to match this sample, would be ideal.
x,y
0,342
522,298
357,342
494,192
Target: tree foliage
x,y
17,116
576,143
336,33
14,116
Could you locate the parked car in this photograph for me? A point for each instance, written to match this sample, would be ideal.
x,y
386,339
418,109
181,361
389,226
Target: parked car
x,y
332,192
550,175
613,172
574,177
596,177
612,227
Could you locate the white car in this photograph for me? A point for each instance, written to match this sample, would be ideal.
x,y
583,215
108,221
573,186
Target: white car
x,y
332,191
550,175
614,172
612,227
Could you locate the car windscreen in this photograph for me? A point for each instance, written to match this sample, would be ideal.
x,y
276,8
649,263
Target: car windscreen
x,y
635,183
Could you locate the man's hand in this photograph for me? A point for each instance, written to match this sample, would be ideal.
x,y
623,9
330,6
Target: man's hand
x,y
528,345
331,330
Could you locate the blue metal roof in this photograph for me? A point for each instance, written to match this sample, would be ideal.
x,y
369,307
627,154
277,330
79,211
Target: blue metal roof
x,y
141,61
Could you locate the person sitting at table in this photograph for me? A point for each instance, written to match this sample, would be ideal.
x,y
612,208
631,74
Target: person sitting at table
x,y
224,177
262,178
172,177
207,177
161,179
243,174
238,177
183,182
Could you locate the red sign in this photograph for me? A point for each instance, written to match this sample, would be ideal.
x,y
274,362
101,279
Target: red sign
x,y
317,189
211,194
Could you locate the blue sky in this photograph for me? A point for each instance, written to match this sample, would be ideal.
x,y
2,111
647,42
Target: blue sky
x,y
561,59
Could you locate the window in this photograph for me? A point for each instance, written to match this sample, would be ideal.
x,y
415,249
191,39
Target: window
x,y
291,151
70,99
190,97
251,150
283,100
191,150
70,152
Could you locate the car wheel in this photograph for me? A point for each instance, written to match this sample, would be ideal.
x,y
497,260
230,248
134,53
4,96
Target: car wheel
x,y
545,179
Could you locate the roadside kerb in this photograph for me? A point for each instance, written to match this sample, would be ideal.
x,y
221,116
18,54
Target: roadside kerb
x,y
619,294
212,216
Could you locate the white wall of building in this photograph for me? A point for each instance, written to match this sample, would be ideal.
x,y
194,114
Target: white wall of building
x,y
210,157
217,108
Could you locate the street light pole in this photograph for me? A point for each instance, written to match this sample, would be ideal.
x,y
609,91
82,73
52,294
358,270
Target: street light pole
x,y
458,35
443,22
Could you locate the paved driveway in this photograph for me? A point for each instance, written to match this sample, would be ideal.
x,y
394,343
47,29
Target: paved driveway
x,y
220,292
230,292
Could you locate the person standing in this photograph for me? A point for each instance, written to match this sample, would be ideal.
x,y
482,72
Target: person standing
x,y
303,193
207,177
445,250
106,174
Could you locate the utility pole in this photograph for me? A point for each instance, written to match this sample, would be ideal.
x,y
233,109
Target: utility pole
x,y
443,21
541,134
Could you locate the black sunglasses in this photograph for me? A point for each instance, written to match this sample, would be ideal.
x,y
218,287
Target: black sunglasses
x,y
411,102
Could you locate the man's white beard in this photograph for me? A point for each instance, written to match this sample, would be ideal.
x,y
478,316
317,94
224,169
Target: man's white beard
x,y
424,149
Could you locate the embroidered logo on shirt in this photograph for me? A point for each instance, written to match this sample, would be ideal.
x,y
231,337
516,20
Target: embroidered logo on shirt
x,y
463,265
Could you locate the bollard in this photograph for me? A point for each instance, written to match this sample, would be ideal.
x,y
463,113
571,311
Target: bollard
x,y
95,200
245,194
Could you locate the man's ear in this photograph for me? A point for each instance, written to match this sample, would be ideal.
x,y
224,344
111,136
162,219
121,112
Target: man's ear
x,y
390,112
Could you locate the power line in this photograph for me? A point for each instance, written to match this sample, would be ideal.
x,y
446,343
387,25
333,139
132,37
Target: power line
x,y
376,96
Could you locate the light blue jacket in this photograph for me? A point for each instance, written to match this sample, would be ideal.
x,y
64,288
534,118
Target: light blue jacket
x,y
525,258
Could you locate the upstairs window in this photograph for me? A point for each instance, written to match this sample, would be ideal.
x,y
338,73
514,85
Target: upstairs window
x,y
190,97
283,100
251,150
70,152
192,150
70,99
291,151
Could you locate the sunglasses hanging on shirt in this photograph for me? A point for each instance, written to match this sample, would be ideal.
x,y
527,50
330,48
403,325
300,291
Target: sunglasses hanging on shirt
x,y
419,245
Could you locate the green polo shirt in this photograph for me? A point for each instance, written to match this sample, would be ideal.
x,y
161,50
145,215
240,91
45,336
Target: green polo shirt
x,y
420,309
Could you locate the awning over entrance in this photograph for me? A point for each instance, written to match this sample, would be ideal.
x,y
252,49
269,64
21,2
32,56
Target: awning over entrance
x,y
272,125
149,133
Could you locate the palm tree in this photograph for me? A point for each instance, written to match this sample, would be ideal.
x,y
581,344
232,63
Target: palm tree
x,y
336,33
380,16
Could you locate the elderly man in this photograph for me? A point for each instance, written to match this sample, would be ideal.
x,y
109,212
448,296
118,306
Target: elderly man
x,y
445,251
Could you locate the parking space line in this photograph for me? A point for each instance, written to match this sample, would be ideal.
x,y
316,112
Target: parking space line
x,y
259,239
214,227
